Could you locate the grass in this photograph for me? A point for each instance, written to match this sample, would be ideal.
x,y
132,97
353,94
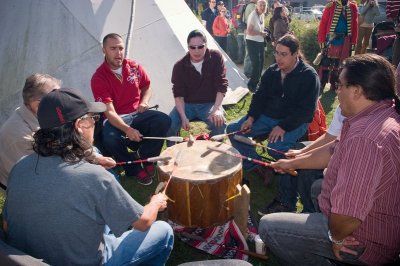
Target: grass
x,y
260,195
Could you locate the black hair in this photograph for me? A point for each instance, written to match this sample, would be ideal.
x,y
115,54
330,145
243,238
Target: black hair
x,y
64,141
111,36
375,75
196,33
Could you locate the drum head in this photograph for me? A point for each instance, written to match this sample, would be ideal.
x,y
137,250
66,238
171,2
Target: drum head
x,y
197,163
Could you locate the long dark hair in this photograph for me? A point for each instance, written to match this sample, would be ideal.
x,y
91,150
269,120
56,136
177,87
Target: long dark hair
x,y
375,75
64,141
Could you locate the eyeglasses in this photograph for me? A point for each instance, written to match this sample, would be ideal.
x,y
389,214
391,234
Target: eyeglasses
x,y
95,117
338,85
199,47
223,12
283,54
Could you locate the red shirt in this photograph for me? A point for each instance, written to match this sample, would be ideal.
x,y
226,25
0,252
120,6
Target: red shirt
x,y
392,9
124,93
363,180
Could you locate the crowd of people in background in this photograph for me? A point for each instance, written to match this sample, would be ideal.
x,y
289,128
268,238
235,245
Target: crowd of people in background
x,y
348,178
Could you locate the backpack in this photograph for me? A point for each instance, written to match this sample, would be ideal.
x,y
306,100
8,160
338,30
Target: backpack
x,y
237,16
317,127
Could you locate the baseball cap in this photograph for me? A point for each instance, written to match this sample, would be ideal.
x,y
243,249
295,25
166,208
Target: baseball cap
x,y
63,106
220,3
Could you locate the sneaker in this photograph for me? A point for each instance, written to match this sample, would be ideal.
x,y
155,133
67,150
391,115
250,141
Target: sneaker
x,y
144,178
265,173
274,206
150,169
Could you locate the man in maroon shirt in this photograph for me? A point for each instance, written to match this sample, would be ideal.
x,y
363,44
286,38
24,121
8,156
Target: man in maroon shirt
x,y
359,201
123,85
199,85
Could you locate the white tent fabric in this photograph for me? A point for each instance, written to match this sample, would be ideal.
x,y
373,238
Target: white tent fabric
x,y
63,38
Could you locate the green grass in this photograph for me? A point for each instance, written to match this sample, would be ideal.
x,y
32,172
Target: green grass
x,y
260,194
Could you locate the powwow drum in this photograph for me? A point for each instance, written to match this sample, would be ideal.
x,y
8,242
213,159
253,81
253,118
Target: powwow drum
x,y
203,183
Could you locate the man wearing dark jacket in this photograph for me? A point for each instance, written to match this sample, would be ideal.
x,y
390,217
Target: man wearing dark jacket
x,y
283,105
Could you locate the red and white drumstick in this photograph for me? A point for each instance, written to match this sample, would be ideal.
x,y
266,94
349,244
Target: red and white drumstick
x,y
251,142
148,160
222,136
291,172
177,159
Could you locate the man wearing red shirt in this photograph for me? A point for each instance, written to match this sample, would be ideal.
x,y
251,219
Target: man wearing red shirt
x,y
123,85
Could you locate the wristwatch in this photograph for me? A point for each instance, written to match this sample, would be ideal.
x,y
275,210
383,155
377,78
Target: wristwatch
x,y
337,242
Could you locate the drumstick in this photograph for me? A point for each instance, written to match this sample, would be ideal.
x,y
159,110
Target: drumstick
x,y
177,159
172,138
290,171
251,142
148,160
222,136
212,242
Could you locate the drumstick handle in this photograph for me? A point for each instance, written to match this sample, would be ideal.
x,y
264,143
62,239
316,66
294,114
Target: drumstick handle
x,y
290,172
254,254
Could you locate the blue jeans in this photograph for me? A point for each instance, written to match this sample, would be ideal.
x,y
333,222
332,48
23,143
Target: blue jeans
x,y
289,186
263,125
301,239
199,111
151,247
256,54
150,124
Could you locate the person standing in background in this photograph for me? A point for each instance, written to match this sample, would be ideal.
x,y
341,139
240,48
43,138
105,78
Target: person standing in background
x,y
368,11
208,16
221,29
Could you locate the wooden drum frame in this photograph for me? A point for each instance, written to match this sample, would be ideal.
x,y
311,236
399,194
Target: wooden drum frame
x,y
203,183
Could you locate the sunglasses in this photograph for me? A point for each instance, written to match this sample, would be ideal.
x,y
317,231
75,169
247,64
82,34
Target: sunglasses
x,y
94,117
199,47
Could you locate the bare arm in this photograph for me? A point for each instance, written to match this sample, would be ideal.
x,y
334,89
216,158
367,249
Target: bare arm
x,y
316,159
117,122
157,203
180,107
321,141
217,114
145,96
252,32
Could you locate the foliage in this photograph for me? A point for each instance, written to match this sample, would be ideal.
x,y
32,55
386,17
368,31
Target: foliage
x,y
307,33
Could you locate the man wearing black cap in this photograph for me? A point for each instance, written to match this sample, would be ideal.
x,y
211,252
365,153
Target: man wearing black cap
x,y
73,204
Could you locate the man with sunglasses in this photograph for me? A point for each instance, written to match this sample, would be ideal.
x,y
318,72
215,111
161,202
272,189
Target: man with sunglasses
x,y
16,133
282,107
81,214
123,85
199,85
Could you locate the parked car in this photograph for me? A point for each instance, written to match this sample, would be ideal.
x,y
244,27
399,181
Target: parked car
x,y
308,15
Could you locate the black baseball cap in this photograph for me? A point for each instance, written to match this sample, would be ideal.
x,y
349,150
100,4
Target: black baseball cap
x,y
220,3
62,106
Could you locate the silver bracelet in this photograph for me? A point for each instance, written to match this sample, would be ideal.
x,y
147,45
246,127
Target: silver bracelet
x,y
337,242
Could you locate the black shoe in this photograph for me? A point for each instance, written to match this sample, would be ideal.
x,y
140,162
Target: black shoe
x,y
274,206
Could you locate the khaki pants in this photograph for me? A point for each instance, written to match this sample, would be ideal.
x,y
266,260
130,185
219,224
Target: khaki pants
x,y
364,34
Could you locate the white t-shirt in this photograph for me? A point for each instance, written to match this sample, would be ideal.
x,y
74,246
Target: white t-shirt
x,y
257,21
337,122
198,65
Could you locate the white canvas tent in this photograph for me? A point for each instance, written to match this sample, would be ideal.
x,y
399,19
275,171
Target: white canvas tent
x,y
63,38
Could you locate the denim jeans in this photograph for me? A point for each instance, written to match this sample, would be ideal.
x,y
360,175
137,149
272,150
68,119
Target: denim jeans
x,y
199,111
151,247
263,125
301,239
150,124
241,48
289,186
247,68
256,54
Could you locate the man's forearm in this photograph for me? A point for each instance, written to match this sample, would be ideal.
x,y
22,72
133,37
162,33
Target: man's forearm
x,y
145,95
218,101
321,141
315,159
180,107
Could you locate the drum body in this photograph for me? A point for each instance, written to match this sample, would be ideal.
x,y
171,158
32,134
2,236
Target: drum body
x,y
203,183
